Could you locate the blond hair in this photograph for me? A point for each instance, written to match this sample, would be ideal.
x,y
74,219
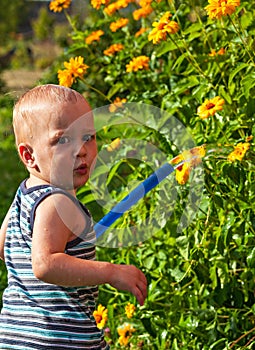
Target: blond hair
x,y
36,102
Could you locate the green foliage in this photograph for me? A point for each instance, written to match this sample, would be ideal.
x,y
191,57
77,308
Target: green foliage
x,y
43,25
12,14
12,171
201,279
59,33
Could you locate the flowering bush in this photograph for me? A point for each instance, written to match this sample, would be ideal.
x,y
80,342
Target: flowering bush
x,y
195,60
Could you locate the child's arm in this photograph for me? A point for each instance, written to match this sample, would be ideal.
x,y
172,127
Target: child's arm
x,y
3,233
52,265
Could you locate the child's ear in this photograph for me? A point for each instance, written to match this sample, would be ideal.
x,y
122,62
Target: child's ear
x,y
26,155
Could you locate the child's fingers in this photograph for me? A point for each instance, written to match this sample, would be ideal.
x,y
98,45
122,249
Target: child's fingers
x,y
142,285
140,291
140,295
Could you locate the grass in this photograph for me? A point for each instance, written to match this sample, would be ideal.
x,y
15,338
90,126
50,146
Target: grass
x,y
12,174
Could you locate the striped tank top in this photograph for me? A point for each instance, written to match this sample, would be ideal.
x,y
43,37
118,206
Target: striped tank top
x,y
35,314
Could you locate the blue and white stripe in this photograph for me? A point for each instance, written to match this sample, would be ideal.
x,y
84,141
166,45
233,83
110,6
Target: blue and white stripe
x,y
35,314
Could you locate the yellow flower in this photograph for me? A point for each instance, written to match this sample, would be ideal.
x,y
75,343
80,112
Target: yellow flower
x,y
117,103
59,5
218,8
191,158
140,32
210,107
75,68
124,3
144,3
182,173
65,78
94,36
138,63
165,18
115,144
196,154
213,53
162,28
101,316
111,9
143,12
239,151
130,310
156,35
120,23
221,52
113,49
125,333
96,4
115,6
249,138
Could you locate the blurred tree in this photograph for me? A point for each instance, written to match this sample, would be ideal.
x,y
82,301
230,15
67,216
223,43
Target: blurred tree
x,y
43,25
12,15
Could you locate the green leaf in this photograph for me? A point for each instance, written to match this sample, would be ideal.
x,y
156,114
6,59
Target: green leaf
x,y
246,19
148,326
169,46
247,83
213,276
177,274
99,170
179,60
112,172
201,90
114,89
182,243
234,72
185,84
88,199
193,36
224,94
251,259
149,261
195,27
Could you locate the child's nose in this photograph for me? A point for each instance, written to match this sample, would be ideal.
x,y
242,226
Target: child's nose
x,y
81,149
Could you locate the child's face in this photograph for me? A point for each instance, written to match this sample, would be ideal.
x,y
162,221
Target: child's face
x,y
65,145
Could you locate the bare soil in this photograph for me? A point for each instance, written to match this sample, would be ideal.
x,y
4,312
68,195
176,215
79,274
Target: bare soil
x,y
19,81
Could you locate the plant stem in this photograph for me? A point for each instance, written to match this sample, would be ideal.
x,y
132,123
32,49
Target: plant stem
x,y
242,39
241,337
211,47
189,57
69,19
95,89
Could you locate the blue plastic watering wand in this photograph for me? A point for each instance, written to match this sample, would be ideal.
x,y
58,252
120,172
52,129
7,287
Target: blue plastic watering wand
x,y
133,197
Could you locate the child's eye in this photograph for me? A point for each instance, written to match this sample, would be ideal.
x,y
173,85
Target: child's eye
x,y
87,138
63,139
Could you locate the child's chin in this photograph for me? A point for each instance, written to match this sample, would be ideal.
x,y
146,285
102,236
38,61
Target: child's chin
x,y
80,182
71,185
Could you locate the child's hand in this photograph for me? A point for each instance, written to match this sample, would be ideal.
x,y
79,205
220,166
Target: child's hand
x,y
131,279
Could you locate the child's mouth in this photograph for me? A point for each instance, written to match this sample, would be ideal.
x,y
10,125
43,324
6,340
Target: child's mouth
x,y
82,169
